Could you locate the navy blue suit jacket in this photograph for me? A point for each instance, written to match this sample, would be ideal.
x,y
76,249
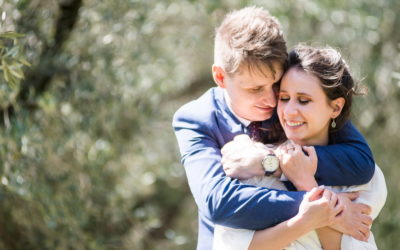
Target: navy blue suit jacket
x,y
206,124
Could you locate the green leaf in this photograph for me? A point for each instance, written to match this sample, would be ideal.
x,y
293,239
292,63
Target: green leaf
x,y
17,72
12,52
24,62
11,35
6,72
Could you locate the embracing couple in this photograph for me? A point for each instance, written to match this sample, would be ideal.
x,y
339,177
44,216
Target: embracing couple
x,y
271,158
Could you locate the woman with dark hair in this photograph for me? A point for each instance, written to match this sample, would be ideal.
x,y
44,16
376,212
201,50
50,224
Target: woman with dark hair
x,y
315,99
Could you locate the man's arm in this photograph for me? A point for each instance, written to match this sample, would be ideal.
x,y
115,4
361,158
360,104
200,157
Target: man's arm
x,y
347,161
224,200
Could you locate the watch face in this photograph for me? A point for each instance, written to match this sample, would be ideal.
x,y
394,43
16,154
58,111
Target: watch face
x,y
270,163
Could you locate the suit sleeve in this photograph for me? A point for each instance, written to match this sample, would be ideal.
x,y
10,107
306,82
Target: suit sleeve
x,y
346,161
224,200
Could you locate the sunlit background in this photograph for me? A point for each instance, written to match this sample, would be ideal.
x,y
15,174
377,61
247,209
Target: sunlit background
x,y
88,156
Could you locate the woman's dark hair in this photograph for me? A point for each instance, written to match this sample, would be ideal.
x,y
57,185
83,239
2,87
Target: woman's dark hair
x,y
329,67
272,131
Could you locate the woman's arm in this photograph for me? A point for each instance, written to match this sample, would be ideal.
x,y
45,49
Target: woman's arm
x,y
318,209
300,168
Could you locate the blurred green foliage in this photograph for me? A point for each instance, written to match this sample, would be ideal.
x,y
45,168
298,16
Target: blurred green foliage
x,y
88,156
12,60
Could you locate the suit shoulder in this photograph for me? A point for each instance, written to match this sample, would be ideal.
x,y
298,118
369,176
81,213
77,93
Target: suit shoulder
x,y
200,110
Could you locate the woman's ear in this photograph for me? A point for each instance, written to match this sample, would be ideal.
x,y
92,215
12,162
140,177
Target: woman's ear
x,y
337,106
218,75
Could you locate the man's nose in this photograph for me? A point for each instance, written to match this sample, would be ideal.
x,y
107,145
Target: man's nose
x,y
269,98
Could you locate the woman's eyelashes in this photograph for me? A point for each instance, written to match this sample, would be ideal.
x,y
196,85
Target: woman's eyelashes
x,y
283,97
303,100
300,99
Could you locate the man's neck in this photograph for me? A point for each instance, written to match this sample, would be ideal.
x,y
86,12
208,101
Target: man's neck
x,y
245,122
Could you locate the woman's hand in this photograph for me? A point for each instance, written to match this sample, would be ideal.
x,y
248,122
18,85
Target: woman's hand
x,y
319,208
298,166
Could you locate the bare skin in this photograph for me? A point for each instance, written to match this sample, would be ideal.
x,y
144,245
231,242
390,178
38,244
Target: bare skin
x,y
318,209
294,162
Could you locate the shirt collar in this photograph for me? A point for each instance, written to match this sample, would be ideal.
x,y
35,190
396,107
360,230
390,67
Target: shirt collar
x,y
245,122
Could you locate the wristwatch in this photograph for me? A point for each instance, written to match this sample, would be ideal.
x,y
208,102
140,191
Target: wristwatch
x,y
270,164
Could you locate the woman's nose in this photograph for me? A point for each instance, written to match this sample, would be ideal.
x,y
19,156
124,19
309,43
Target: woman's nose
x,y
290,108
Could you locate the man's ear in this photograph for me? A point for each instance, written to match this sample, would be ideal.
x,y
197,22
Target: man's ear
x,y
218,75
337,106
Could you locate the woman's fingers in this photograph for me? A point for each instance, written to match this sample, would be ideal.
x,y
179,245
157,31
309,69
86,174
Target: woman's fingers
x,y
315,194
310,150
334,199
339,206
327,195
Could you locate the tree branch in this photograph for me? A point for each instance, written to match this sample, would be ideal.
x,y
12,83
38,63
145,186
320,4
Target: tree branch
x,y
38,78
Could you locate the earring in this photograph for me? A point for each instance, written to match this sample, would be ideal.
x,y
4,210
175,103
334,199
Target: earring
x,y
333,124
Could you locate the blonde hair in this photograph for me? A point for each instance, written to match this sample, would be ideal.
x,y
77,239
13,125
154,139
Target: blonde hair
x,y
249,37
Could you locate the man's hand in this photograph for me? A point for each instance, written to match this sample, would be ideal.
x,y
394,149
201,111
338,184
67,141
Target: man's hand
x,y
354,220
242,157
298,167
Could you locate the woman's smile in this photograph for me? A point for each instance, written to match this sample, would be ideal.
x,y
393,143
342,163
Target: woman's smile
x,y
294,124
